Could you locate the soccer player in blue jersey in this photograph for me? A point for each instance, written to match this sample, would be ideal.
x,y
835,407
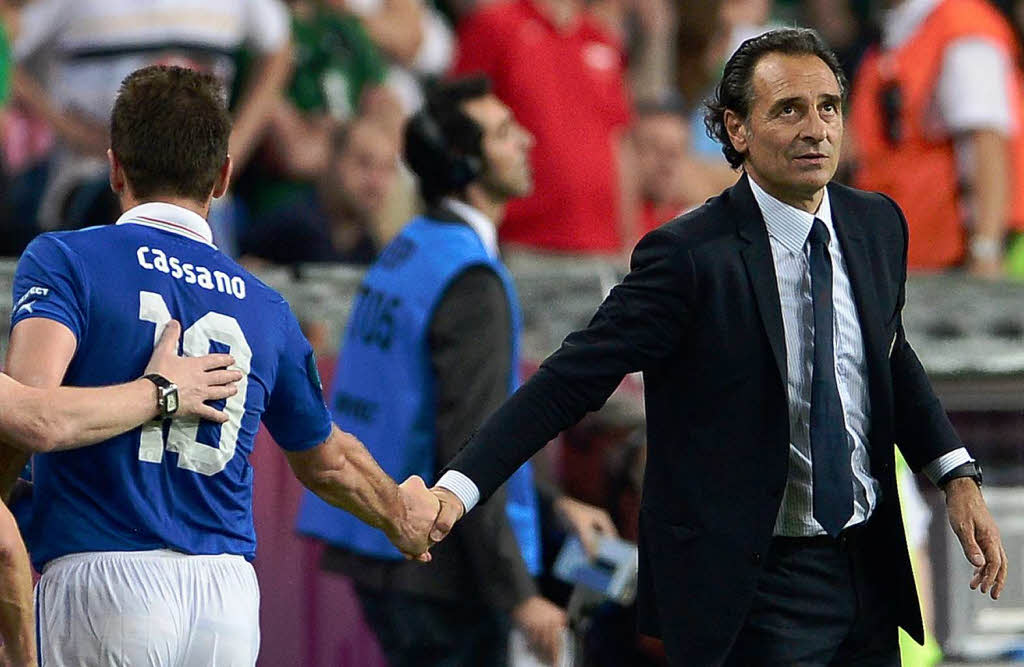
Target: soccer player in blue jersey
x,y
37,420
144,540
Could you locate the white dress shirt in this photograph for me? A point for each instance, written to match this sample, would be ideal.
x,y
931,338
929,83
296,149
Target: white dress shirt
x,y
788,228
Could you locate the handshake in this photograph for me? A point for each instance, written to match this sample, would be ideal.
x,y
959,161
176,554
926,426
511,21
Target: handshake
x,y
425,518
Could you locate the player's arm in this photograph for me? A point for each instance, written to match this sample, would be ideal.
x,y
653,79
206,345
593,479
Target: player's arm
x,y
41,420
17,631
344,474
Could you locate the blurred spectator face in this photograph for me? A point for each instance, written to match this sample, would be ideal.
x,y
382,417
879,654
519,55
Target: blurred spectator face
x,y
661,140
793,132
506,149
366,165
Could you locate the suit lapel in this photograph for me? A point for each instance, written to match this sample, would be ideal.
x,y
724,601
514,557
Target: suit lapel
x,y
757,256
856,253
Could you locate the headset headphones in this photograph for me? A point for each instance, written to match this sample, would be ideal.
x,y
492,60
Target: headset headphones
x,y
456,167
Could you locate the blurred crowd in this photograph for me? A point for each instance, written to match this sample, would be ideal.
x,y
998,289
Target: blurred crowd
x,y
611,91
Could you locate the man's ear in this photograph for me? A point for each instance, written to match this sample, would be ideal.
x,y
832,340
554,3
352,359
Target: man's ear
x,y
223,178
736,128
118,183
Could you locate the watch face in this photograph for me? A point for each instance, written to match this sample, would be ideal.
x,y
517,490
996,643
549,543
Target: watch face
x,y
171,401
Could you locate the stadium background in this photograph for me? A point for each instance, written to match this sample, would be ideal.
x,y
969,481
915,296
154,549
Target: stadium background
x,y
321,190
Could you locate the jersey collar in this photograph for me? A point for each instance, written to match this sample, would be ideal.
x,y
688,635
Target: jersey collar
x,y
170,218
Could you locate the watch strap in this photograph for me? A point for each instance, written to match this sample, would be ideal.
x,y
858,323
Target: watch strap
x,y
969,469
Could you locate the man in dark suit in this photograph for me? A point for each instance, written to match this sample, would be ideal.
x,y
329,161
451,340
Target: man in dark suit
x,y
768,327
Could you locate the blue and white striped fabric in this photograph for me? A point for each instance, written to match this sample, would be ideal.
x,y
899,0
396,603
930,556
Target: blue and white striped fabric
x,y
788,228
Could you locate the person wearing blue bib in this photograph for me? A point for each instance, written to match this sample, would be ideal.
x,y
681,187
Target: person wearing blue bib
x,y
144,540
430,349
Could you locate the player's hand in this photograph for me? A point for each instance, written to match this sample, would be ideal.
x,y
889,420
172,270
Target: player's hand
x,y
199,379
452,510
543,622
978,535
411,534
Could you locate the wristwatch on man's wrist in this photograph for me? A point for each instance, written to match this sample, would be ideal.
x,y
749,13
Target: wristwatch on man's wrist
x,y
166,394
970,469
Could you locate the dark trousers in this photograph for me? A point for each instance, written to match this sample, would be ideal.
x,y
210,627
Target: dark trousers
x,y
421,632
817,603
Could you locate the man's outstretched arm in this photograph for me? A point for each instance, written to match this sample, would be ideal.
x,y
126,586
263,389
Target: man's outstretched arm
x,y
42,420
639,324
343,473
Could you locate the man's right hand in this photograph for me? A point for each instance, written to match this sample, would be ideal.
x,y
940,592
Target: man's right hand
x,y
452,510
199,379
544,624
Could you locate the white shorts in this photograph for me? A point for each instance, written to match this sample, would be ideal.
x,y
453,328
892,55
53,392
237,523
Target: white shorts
x,y
148,608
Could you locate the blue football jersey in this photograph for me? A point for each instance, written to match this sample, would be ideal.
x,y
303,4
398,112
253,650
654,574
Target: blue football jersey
x,y
182,485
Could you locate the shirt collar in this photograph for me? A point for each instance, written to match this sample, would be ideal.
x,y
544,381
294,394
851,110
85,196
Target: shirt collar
x,y
481,224
900,23
788,224
170,218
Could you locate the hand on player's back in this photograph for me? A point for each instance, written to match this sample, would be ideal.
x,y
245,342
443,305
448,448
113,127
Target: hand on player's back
x,y
421,508
199,379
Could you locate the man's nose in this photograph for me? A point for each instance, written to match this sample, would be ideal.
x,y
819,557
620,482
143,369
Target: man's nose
x,y
815,128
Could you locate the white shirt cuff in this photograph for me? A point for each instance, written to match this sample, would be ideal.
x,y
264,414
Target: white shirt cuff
x,y
463,488
940,466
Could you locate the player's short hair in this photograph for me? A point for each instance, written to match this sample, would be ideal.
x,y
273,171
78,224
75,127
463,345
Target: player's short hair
x,y
169,130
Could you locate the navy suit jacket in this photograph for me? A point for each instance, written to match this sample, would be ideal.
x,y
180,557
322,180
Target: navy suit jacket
x,y
699,314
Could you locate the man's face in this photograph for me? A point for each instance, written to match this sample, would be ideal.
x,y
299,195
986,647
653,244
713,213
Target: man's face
x,y
506,149
661,142
794,130
366,169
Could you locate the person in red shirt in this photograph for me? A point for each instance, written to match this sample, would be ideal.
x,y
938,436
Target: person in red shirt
x,y
562,76
672,178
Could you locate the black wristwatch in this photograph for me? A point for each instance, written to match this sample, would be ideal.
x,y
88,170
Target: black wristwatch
x,y
166,394
970,469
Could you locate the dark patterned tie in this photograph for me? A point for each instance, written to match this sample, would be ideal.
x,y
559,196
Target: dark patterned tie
x,y
830,453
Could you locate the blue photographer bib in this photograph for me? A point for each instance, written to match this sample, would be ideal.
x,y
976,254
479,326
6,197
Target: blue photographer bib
x,y
384,390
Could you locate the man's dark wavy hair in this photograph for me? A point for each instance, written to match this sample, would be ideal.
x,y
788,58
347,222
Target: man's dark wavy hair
x,y
735,90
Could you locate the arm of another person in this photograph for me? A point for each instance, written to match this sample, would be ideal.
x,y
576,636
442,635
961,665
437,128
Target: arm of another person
x,y
396,28
38,420
976,94
470,354
38,25
269,34
344,474
640,323
334,464
43,416
989,184
928,441
17,623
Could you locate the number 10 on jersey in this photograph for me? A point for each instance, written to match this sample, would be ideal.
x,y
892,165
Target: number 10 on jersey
x,y
181,438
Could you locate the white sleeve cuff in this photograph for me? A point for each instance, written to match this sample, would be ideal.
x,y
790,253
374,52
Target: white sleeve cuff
x,y
463,488
940,466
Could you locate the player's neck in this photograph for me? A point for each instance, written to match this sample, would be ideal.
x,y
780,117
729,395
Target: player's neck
x,y
202,209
